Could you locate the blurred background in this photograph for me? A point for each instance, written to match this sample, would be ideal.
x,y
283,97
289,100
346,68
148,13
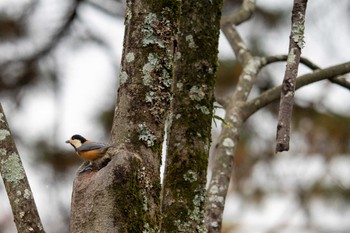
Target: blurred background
x,y
59,66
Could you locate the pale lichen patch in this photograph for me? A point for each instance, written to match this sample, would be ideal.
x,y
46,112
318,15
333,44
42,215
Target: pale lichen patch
x,y
203,109
12,169
149,32
190,176
228,142
190,41
146,135
130,57
27,194
3,134
123,77
298,31
291,56
197,93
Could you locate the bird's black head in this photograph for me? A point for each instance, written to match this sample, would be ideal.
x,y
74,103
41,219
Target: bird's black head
x,y
78,137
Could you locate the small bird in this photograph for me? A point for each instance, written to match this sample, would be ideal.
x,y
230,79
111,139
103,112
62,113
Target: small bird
x,y
88,150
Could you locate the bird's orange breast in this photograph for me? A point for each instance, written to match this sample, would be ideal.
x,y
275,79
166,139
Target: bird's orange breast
x,y
90,155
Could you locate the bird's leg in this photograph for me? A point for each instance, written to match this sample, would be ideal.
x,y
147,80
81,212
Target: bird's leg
x,y
86,166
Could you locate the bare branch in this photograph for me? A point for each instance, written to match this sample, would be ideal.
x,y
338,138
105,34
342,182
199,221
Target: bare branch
x,y
341,81
273,94
239,48
245,12
222,167
296,42
16,183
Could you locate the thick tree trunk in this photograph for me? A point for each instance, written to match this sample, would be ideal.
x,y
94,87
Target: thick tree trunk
x,y
125,195
183,193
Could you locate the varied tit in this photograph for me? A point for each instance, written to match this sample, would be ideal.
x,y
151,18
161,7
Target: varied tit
x,y
86,149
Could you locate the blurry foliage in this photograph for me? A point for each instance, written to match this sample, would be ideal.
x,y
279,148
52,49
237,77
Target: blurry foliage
x,y
33,59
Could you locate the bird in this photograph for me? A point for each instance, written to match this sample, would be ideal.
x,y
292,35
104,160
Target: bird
x,y
88,150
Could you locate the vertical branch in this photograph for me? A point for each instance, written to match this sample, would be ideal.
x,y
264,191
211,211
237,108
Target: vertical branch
x,y
195,65
296,43
16,183
225,149
229,137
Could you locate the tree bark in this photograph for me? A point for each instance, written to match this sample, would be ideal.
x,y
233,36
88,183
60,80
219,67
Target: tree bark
x,y
189,137
296,43
21,198
143,101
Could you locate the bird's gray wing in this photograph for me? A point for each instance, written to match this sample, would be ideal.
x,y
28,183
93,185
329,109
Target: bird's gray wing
x,y
92,146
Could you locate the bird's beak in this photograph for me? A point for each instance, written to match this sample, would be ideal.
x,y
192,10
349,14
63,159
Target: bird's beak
x,y
68,141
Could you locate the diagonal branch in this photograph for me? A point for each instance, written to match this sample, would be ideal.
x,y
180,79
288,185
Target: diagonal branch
x,y
296,42
25,213
271,95
341,81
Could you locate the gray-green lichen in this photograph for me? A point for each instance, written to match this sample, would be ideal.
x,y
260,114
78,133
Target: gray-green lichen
x,y
148,68
190,176
146,135
203,109
190,41
197,93
149,97
179,85
130,57
157,79
3,134
291,56
177,56
149,31
12,168
3,151
149,229
195,215
27,194
123,77
298,31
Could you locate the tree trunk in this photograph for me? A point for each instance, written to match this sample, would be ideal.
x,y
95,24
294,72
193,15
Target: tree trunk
x,y
125,195
183,193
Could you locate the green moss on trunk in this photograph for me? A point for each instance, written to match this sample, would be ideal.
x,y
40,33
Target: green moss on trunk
x,y
195,65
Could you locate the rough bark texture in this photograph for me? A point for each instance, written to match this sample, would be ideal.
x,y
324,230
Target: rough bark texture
x,y
189,136
111,198
296,43
24,211
142,103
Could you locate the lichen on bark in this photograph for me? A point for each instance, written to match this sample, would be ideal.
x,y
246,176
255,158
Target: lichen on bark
x,y
183,193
